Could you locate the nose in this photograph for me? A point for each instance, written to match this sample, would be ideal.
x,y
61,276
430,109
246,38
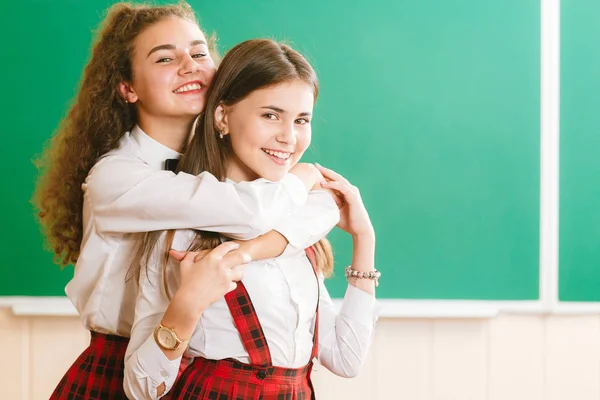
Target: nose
x,y
188,65
287,134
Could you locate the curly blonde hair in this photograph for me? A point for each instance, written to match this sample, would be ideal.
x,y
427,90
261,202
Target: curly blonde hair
x,y
94,124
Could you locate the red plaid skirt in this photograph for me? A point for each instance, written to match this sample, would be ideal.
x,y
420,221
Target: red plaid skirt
x,y
232,380
97,374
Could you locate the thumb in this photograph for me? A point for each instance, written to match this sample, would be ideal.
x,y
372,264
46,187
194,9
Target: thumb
x,y
188,257
176,254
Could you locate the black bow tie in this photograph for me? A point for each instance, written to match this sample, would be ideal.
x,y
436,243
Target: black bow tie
x,y
171,164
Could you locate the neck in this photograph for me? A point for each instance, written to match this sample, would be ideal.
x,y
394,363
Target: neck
x,y
171,132
238,172
235,175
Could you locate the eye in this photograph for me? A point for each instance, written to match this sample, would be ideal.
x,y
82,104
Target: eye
x,y
270,116
164,60
302,121
199,55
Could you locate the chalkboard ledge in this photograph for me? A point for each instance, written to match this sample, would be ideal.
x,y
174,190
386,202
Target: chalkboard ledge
x,y
58,306
390,308
408,308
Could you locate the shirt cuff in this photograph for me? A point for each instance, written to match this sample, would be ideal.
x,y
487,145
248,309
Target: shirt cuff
x,y
156,365
360,306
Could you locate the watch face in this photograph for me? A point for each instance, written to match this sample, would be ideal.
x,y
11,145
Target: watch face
x,y
166,339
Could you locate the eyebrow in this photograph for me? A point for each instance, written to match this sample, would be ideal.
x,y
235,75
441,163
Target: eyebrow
x,y
281,110
173,47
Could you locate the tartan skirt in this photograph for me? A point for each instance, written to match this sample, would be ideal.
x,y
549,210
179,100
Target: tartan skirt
x,y
232,380
97,374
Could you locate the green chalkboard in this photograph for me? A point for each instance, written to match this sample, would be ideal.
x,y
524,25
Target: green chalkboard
x,y
580,152
431,107
47,46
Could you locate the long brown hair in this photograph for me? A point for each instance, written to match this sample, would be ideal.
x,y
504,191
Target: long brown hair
x,y
95,122
249,66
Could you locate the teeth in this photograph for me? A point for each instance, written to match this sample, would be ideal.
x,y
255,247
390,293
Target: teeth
x,y
278,154
187,88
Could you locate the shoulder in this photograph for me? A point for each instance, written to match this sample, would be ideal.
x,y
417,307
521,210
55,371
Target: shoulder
x,y
117,164
113,175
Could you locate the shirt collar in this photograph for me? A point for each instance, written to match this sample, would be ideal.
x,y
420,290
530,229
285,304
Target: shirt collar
x,y
151,151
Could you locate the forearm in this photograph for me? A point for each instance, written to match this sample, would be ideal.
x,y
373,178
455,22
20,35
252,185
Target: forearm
x,y
345,337
149,369
182,318
146,200
269,245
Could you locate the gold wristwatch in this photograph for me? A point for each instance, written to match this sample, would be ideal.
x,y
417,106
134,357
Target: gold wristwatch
x,y
167,339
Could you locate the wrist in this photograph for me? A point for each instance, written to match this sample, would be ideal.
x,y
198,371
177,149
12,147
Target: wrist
x,y
187,305
183,314
363,254
367,237
250,246
270,245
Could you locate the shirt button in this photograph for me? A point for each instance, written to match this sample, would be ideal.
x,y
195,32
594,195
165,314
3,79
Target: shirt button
x,y
164,373
262,374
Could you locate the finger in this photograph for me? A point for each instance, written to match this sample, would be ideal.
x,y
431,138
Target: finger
x,y
343,188
177,254
232,286
337,197
331,174
236,274
236,258
240,267
189,257
221,250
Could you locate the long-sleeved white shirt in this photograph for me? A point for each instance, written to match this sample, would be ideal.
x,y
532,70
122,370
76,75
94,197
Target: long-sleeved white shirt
x,y
128,192
284,293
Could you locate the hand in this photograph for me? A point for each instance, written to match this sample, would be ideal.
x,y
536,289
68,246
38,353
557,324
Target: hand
x,y
180,255
312,178
337,196
212,276
354,217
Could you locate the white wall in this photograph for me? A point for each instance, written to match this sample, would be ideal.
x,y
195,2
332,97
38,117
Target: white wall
x,y
508,357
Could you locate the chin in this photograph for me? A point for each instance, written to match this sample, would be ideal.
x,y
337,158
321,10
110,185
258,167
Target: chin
x,y
195,110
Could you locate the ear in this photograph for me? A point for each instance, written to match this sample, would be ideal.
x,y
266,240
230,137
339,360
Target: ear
x,y
127,92
221,119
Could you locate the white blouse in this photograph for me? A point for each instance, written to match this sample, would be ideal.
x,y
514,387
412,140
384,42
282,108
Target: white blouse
x,y
128,192
284,294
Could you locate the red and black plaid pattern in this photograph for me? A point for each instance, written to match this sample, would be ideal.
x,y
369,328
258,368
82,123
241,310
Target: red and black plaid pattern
x,y
247,323
97,374
185,362
232,380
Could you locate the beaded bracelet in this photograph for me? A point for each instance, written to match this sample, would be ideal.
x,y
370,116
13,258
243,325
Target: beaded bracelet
x,y
373,275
